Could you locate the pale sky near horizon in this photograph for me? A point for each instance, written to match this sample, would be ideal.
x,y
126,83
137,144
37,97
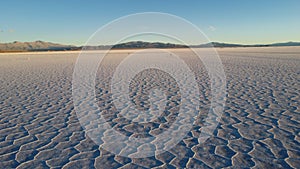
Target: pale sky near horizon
x,y
73,22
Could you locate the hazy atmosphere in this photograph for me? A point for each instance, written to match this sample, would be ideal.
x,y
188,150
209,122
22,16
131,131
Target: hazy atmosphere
x,y
72,23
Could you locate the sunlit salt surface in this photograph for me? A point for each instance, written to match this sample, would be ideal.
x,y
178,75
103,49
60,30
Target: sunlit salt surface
x,y
259,128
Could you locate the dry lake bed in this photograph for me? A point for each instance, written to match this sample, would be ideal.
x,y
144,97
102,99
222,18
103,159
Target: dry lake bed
x,y
260,126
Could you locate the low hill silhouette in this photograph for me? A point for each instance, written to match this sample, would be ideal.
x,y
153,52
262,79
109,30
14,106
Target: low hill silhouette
x,y
49,46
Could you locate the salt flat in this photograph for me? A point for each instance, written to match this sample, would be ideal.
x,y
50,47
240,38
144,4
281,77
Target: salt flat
x,y
259,128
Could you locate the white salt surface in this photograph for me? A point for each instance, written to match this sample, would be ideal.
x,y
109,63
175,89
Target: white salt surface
x,y
259,128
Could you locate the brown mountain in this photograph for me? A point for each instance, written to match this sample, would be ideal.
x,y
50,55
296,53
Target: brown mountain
x,y
33,46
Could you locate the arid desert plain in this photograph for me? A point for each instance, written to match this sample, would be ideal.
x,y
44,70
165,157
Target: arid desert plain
x,y
260,126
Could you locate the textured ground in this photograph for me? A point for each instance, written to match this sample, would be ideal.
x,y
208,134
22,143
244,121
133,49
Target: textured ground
x,y
260,126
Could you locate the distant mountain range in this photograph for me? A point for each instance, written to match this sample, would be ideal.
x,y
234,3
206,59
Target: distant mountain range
x,y
48,46
218,44
34,46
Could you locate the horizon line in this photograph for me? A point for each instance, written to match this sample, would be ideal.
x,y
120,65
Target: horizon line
x,y
232,43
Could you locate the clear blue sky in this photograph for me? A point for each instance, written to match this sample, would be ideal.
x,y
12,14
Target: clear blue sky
x,y
72,22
